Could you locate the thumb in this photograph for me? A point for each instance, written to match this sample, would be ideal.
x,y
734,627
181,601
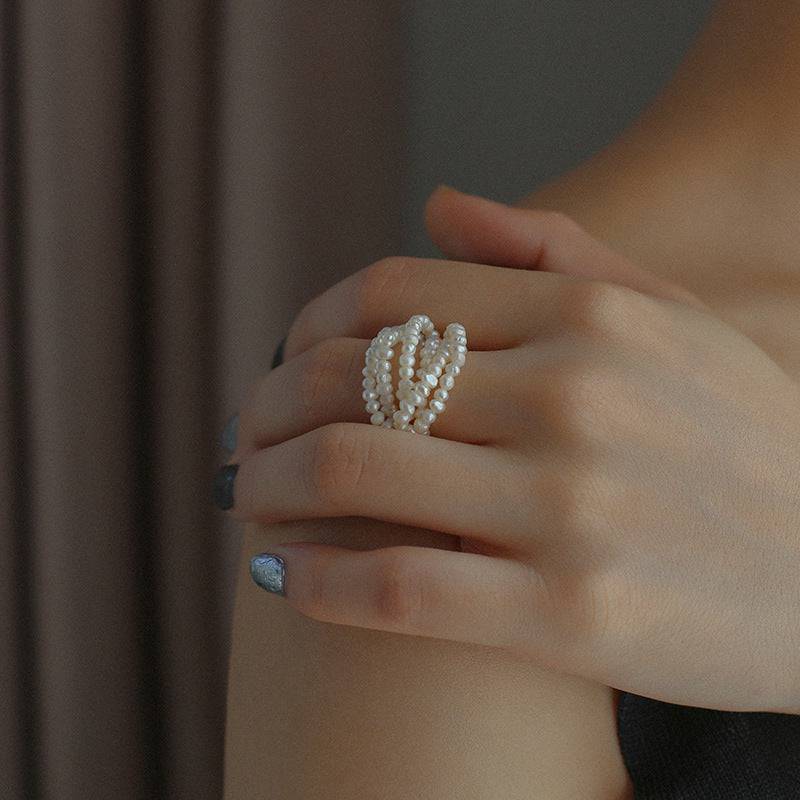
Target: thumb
x,y
467,227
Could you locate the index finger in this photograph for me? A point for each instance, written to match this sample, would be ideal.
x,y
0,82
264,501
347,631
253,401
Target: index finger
x,y
498,306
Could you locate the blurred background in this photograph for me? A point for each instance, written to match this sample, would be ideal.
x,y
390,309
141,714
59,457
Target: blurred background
x,y
178,178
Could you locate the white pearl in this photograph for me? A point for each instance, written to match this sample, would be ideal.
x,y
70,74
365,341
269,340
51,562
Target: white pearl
x,y
411,339
368,383
377,418
386,424
369,394
452,369
427,416
459,359
441,394
447,381
408,407
420,426
404,384
435,370
437,406
383,377
373,406
424,388
430,379
405,372
406,360
384,366
401,417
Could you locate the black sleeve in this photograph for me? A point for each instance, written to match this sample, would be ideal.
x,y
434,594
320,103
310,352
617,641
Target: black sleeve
x,y
675,752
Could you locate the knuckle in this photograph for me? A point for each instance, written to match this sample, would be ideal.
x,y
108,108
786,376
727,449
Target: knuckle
x,y
561,222
328,363
338,464
299,332
596,309
398,596
582,401
571,493
383,281
600,602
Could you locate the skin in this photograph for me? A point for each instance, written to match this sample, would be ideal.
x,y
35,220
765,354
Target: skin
x,y
310,693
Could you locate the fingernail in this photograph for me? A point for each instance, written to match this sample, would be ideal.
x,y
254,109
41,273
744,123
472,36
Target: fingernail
x,y
268,572
229,432
223,486
277,359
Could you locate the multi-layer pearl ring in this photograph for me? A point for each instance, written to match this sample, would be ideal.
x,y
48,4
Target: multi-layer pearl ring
x,y
419,402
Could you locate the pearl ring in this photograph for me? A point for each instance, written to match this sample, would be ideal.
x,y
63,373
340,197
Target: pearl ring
x,y
441,359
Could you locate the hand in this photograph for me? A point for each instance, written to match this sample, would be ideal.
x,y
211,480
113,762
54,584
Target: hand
x,y
622,467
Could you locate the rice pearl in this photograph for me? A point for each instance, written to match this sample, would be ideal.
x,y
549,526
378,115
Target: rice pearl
x,y
377,418
420,426
452,369
447,382
435,370
436,405
441,394
427,416
430,380
407,407
400,419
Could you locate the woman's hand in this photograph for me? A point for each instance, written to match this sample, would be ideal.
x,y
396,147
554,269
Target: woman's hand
x,y
622,467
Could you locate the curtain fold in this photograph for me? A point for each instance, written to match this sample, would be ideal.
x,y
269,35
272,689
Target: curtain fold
x,y
179,177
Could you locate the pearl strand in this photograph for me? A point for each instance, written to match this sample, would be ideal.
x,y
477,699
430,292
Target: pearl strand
x,y
439,377
440,361
378,392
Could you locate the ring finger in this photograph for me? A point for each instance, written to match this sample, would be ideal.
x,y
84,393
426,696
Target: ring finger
x,y
323,385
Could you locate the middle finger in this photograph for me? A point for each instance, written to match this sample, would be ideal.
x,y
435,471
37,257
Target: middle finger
x,y
323,385
500,307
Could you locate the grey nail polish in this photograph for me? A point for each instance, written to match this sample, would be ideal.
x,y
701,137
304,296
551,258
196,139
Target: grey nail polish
x,y
268,572
223,486
229,433
277,359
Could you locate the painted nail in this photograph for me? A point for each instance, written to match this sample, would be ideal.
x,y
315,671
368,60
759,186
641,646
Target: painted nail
x,y
268,572
223,486
277,359
229,432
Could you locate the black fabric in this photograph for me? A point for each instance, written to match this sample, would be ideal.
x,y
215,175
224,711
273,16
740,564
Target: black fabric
x,y
675,752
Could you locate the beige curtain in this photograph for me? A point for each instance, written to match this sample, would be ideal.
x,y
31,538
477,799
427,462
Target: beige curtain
x,y
178,178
